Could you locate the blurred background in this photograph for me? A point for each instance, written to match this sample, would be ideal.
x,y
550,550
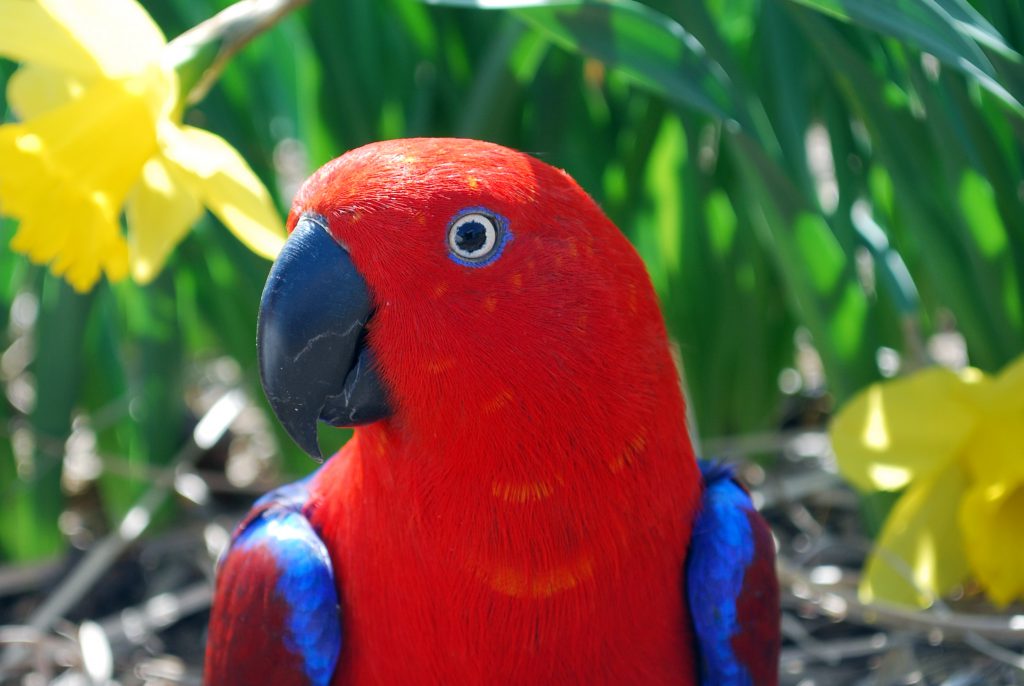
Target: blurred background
x,y
825,194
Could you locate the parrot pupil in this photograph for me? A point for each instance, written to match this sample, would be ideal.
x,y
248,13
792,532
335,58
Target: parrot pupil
x,y
471,237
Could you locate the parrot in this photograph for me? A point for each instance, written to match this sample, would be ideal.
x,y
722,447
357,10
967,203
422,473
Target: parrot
x,y
520,501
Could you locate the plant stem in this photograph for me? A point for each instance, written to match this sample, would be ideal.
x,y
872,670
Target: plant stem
x,y
201,53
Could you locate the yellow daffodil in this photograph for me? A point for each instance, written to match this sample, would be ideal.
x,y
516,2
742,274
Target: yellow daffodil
x,y
100,129
955,443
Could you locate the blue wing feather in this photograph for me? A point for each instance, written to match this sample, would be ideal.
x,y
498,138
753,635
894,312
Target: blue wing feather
x,y
276,615
731,586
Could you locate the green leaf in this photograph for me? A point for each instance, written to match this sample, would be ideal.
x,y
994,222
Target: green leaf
x,y
938,249
647,45
820,251
979,206
947,30
971,23
820,278
153,360
32,508
890,269
713,281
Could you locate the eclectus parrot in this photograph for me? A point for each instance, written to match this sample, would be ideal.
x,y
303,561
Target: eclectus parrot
x,y
519,503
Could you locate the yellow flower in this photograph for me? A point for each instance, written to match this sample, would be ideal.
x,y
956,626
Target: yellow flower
x,y
955,442
100,130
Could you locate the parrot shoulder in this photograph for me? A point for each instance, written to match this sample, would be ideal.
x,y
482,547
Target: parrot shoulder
x,y
276,616
732,588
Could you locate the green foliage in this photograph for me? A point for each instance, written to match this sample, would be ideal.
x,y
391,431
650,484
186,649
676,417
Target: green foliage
x,y
849,167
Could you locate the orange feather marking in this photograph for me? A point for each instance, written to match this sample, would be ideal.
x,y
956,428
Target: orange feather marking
x,y
522,492
521,583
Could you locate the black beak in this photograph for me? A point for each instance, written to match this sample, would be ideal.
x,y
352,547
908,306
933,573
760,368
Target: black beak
x,y
314,361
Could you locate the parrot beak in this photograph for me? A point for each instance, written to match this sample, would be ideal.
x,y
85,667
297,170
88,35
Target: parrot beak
x,y
314,361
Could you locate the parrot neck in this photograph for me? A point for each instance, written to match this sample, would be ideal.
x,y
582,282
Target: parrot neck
x,y
497,444
549,494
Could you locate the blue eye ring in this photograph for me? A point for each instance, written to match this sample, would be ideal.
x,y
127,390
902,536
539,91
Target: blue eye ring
x,y
476,236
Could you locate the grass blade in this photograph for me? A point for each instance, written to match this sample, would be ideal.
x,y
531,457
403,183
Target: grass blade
x,y
649,46
932,28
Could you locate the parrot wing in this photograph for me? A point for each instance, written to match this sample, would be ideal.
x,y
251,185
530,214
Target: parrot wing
x,y
732,589
276,617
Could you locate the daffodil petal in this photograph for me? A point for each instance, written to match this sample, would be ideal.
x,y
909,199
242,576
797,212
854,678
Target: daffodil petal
x,y
918,555
35,89
996,450
904,429
95,144
1008,388
990,521
31,34
119,34
21,164
228,186
160,211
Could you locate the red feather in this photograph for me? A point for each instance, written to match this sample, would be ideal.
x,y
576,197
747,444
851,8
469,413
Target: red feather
x,y
246,630
757,609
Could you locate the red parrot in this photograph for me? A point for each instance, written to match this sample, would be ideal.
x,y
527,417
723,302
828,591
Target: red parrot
x,y
520,502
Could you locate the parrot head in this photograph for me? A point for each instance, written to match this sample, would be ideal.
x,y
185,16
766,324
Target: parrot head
x,y
447,286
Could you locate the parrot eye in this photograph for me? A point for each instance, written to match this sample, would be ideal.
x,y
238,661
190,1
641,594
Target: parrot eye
x,y
476,237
